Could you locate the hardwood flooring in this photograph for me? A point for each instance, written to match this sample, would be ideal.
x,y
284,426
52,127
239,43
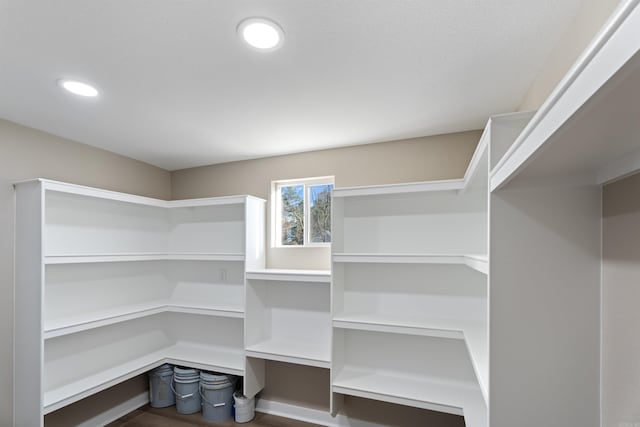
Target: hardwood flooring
x,y
168,417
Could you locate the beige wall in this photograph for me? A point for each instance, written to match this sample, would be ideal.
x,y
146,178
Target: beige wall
x,y
27,153
592,15
418,159
620,302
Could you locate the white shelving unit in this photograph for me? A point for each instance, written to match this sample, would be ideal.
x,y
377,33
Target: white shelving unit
x,y
546,238
110,285
288,317
384,367
410,278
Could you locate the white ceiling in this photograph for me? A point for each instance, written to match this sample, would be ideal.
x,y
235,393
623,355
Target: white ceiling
x,y
179,89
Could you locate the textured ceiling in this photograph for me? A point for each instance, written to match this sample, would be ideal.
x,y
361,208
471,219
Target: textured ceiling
x,y
179,89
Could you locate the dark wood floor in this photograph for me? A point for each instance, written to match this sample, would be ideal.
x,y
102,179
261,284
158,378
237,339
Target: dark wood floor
x,y
168,417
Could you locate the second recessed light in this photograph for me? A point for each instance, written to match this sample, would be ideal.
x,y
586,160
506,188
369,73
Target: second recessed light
x,y
261,34
78,88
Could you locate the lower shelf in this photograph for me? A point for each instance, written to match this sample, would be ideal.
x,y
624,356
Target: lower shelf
x,y
473,333
457,398
290,351
196,356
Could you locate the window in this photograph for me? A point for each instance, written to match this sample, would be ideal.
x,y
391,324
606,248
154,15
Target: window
x,y
301,212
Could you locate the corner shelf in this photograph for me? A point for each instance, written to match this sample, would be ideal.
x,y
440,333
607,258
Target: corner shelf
x,y
195,356
112,285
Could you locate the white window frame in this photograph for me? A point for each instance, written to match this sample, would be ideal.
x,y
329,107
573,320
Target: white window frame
x,y
276,210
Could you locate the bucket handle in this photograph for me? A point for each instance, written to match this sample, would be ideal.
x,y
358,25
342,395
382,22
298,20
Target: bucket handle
x,y
215,405
180,396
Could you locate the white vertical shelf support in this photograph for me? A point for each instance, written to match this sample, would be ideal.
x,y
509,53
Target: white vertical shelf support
x,y
409,269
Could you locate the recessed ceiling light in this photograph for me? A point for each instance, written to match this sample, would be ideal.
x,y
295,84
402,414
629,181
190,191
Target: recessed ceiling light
x,y
78,88
261,33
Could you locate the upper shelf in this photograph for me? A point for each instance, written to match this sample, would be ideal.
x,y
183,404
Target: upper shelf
x,y
588,128
82,190
475,164
280,275
476,262
411,187
132,257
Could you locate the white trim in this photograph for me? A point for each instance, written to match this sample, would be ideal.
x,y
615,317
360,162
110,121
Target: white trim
x,y
276,210
118,411
407,187
605,55
315,276
309,415
132,257
82,190
474,163
475,262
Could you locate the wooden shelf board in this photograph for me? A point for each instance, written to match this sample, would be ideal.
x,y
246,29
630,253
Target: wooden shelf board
x,y
292,351
133,257
318,276
191,355
74,324
476,262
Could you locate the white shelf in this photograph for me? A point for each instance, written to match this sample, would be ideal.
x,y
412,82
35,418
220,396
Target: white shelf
x,y
409,187
208,358
435,394
473,333
588,126
316,276
74,324
69,393
65,187
195,356
421,186
94,258
476,262
410,325
292,351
